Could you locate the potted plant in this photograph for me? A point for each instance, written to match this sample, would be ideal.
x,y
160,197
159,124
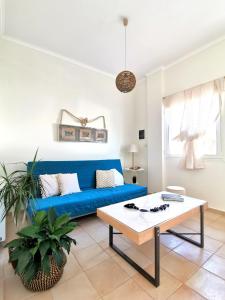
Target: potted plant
x,y
37,255
17,188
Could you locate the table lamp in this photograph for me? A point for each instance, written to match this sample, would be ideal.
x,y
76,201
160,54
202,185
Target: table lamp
x,y
133,149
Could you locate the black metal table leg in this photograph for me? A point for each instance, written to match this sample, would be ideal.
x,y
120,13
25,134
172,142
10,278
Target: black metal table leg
x,y
157,256
154,280
201,233
202,226
110,236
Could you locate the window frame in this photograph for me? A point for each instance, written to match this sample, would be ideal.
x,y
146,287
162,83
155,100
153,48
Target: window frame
x,y
219,152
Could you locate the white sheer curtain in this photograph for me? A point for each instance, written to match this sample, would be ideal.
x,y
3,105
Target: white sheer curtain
x,y
195,110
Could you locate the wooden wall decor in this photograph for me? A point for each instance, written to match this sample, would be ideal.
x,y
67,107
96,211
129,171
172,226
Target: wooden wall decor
x,y
69,133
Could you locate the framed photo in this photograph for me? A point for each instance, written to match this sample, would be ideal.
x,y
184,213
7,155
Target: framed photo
x,y
101,136
67,133
86,135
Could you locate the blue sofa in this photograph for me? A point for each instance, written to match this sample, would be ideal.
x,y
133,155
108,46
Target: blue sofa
x,y
87,201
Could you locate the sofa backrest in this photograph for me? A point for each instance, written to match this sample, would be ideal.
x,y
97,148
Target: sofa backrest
x,y
85,169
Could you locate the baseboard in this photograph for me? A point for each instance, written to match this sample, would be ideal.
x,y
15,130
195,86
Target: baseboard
x,y
220,212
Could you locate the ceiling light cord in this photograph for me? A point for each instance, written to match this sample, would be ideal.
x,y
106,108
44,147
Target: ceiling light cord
x,y
125,80
125,48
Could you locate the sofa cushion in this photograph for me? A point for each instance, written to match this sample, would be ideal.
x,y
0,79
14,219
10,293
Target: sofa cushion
x,y
104,179
88,201
118,177
68,184
49,185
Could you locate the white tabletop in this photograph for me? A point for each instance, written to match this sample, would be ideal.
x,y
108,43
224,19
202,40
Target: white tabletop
x,y
140,221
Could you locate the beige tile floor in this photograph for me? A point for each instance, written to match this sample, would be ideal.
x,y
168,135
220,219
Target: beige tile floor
x,y
94,271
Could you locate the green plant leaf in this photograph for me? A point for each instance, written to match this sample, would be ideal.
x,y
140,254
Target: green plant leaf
x,y
51,217
23,261
43,247
63,230
17,188
74,224
34,161
66,244
54,237
30,272
45,265
16,253
39,217
54,245
61,221
58,256
29,231
34,250
14,243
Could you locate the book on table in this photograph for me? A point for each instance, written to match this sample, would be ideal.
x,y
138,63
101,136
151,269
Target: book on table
x,y
172,197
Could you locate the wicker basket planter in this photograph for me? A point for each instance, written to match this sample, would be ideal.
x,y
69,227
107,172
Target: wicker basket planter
x,y
42,281
31,255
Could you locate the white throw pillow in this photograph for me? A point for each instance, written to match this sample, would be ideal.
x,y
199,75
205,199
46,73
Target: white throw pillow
x,y
118,177
105,178
68,184
49,185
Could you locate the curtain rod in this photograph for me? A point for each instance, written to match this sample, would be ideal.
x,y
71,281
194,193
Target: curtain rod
x,y
191,87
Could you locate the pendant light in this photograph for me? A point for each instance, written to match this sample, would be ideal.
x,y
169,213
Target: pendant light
x,y
125,80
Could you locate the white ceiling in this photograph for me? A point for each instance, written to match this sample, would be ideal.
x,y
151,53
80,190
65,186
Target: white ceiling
x,y
90,31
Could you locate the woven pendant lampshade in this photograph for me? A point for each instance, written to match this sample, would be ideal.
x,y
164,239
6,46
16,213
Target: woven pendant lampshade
x,y
125,80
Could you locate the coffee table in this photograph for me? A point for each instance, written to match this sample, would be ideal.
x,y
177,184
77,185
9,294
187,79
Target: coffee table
x,y
141,227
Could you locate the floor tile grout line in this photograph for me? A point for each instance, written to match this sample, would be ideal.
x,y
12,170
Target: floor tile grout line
x,y
93,265
222,241
181,283
214,274
198,267
116,287
188,288
211,254
87,278
223,245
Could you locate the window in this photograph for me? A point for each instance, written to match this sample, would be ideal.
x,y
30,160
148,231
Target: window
x,y
209,144
192,119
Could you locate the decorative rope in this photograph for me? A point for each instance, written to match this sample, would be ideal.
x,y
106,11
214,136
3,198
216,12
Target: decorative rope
x,y
82,121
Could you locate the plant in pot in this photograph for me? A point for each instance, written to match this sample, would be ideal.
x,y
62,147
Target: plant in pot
x,y
16,188
37,255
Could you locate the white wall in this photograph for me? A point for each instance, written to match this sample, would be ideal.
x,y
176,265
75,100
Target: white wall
x,y
208,184
34,86
155,132
140,109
